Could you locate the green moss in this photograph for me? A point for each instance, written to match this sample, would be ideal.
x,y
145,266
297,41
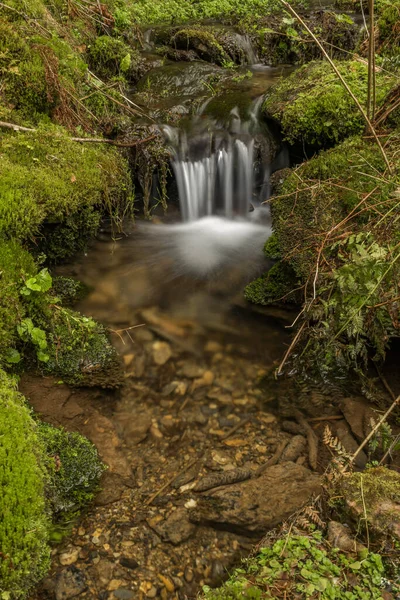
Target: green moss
x,y
80,351
74,470
110,56
47,178
24,557
389,30
307,567
203,42
314,108
68,290
276,285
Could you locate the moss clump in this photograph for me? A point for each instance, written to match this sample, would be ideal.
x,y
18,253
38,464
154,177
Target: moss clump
x,y
304,567
203,42
389,31
276,285
282,40
24,554
74,470
314,108
47,178
378,490
68,290
79,350
111,56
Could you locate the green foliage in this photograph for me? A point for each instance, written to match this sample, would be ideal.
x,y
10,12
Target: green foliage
x,y
389,29
313,106
45,177
24,554
74,470
309,567
68,290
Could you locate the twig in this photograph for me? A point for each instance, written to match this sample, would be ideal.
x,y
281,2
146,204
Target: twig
x,y
344,83
331,418
288,351
273,460
311,438
235,428
170,481
84,139
364,509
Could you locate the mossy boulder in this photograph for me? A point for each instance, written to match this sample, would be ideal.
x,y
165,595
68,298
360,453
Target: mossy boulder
x,y
313,107
74,470
372,498
276,285
202,41
45,178
24,553
110,56
282,40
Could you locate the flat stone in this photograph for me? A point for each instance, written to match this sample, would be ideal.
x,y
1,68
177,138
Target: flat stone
x,y
112,486
70,583
254,506
358,415
128,563
176,528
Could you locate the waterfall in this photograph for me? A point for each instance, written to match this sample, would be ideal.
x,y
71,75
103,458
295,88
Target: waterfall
x,y
218,165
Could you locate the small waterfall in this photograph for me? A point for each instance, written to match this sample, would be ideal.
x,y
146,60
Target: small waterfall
x,y
218,165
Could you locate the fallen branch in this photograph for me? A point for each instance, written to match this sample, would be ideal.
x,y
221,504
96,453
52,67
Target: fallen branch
x,y
312,440
84,140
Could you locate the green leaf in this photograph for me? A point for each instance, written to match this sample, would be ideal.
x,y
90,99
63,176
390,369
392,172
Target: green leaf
x,y
42,282
42,356
355,565
12,356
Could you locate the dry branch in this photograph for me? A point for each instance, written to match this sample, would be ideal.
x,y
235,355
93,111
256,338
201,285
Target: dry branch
x,y
84,139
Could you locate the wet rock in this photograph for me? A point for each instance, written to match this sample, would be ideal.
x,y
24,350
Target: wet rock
x,y
162,352
70,583
128,563
254,506
124,594
295,448
176,528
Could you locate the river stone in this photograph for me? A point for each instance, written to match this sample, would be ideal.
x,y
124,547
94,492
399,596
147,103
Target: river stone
x,y
176,528
70,583
124,594
255,506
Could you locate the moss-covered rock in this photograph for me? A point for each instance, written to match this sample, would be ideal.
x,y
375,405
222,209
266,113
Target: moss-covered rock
x,y
24,554
110,56
276,285
373,499
313,107
202,41
74,470
283,40
47,178
68,290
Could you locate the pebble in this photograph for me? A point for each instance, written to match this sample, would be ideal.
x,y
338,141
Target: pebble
x,y
128,563
123,594
162,352
152,592
192,370
115,584
189,575
167,583
70,583
213,347
70,557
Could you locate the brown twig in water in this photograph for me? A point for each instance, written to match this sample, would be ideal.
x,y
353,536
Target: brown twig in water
x,y
273,460
288,351
235,428
170,481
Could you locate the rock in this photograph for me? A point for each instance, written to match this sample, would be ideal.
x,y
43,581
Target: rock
x,y
257,505
69,557
343,433
112,486
374,495
339,537
162,352
176,528
128,563
358,415
205,380
295,448
168,583
124,594
189,575
192,370
70,583
152,592
213,347
134,427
